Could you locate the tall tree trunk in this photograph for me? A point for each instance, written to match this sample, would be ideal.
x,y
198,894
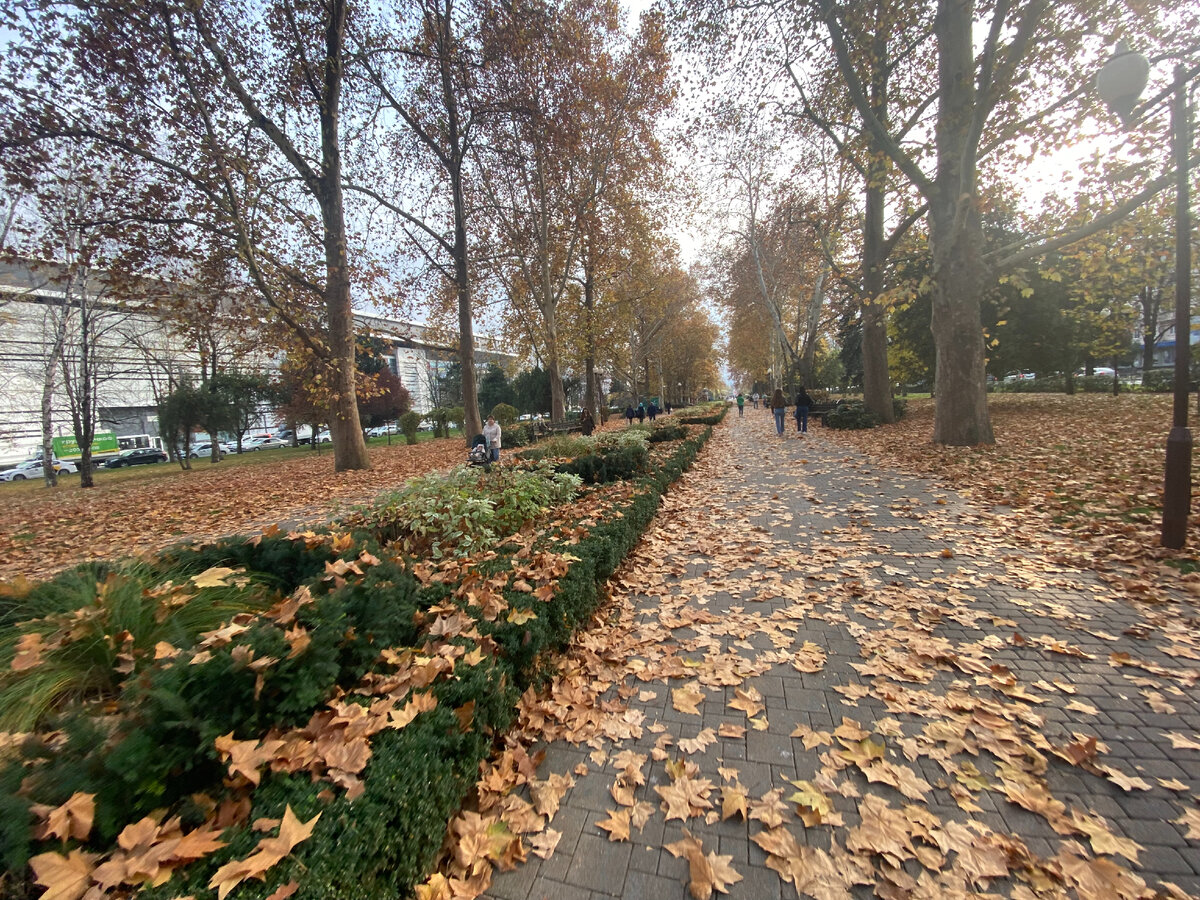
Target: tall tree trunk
x,y
349,447
48,376
1151,299
472,420
808,353
877,380
589,361
956,240
877,391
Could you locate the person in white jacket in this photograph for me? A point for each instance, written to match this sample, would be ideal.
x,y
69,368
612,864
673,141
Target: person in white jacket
x,y
491,434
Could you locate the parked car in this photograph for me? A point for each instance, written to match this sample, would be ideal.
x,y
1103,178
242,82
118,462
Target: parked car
x,y
32,468
381,430
138,456
324,437
205,449
1018,376
303,436
262,443
1100,371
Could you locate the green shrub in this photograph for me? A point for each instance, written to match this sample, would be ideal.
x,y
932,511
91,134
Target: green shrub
x,y
410,424
672,432
505,414
463,511
899,407
851,415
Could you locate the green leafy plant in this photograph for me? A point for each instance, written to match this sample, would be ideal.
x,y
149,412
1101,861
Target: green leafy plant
x,y
505,414
410,424
851,415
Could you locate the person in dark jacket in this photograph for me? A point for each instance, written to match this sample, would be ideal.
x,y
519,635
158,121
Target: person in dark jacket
x,y
629,414
652,410
641,413
586,423
778,407
803,402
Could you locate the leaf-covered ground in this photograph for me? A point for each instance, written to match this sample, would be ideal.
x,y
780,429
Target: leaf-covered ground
x,y
43,531
819,676
1091,464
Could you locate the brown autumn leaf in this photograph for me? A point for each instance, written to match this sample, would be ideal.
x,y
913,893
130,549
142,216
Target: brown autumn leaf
x,y
616,824
544,844
706,872
269,853
64,877
71,820
687,699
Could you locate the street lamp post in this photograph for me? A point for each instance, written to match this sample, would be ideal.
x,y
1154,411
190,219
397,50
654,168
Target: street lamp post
x,y
1120,83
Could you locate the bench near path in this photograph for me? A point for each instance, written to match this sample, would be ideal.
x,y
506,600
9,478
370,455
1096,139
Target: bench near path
x,y
819,677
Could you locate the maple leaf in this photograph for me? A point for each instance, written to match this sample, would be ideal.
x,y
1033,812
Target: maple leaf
x,y
246,757
63,877
748,701
685,797
687,699
71,820
706,872
436,887
729,730
1190,818
640,814
269,853
617,824
544,844
699,742
547,795
1182,741
769,809
814,805
734,802
422,702
217,576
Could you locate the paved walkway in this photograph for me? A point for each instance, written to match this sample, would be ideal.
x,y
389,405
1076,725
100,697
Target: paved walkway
x,y
883,689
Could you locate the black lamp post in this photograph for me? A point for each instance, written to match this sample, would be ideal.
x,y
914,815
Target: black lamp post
x,y
1120,83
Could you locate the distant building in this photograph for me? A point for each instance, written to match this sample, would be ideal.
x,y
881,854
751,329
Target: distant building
x,y
141,357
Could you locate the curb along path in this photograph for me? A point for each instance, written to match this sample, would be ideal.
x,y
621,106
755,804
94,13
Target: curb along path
x,y
819,677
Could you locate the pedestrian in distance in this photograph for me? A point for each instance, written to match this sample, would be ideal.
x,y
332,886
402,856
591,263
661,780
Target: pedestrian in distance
x,y
586,423
491,433
803,402
754,399
629,414
652,410
779,407
641,413
741,404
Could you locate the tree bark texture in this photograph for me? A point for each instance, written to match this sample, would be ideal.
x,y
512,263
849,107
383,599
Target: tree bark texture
x,y
956,241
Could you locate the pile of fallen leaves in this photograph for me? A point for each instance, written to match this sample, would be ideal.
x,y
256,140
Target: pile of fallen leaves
x,y
1090,465
43,532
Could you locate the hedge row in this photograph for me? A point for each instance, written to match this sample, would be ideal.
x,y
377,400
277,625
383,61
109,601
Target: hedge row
x,y
159,752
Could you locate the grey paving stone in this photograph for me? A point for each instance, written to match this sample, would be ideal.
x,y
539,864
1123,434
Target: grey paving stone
x,y
599,864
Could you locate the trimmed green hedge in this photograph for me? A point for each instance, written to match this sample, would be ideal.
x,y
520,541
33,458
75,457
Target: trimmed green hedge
x,y
160,750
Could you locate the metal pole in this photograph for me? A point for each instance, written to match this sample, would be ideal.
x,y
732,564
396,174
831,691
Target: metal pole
x,y
1177,480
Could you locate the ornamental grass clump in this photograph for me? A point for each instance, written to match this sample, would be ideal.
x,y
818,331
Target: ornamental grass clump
x,y
463,511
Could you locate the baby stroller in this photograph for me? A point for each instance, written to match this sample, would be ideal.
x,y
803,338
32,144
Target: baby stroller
x,y
478,454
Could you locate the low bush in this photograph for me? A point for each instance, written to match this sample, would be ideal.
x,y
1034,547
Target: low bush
x,y
463,511
410,424
668,432
505,414
851,415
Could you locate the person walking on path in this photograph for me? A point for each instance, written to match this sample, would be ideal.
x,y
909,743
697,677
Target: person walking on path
x,y
754,399
641,413
779,407
741,403
491,433
652,410
629,414
586,423
803,402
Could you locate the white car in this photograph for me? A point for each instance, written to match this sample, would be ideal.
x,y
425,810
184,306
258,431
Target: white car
x,y
1097,371
32,468
324,437
381,430
205,449
262,443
